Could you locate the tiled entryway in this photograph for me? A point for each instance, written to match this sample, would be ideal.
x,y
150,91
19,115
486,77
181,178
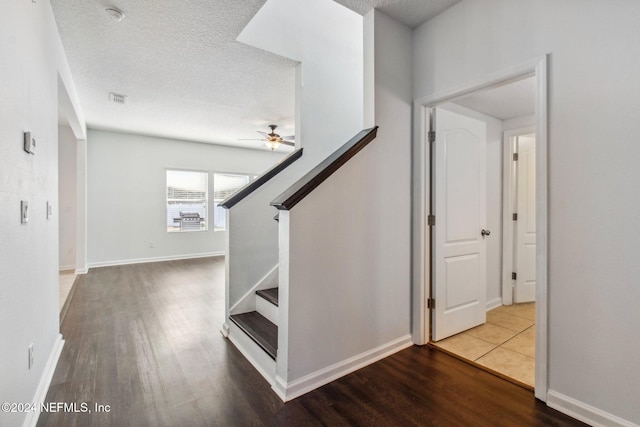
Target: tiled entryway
x,y
67,278
505,344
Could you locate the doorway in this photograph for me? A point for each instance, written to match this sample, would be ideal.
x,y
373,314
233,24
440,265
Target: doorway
x,y
66,208
426,203
70,209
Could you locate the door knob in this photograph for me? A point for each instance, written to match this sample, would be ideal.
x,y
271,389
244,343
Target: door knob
x,y
485,232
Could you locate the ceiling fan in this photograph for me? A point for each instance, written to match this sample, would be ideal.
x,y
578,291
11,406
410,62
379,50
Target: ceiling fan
x,y
273,140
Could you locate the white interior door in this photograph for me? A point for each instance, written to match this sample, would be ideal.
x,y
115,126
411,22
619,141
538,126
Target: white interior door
x,y
459,205
525,246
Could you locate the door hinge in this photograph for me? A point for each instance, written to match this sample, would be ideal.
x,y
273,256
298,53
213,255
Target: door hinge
x,y
515,157
515,216
432,136
431,303
431,220
514,276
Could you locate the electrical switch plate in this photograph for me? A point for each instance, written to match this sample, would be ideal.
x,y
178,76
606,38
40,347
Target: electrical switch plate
x,y
29,143
24,211
49,210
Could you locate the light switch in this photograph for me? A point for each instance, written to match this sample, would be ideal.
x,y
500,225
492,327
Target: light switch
x,y
24,211
29,143
49,210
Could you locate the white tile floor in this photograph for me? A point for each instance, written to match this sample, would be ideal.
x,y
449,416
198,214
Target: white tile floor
x,y
505,344
67,278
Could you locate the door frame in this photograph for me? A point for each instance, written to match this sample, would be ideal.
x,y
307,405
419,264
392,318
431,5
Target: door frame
x,y
421,253
508,226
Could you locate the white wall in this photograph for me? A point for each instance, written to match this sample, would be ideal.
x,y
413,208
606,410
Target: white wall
x,y
127,194
331,70
32,58
329,95
67,198
348,282
593,127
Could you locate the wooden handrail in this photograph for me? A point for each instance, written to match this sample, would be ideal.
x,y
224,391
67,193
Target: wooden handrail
x,y
324,170
261,179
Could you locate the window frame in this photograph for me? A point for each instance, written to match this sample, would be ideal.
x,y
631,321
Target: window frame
x,y
207,215
216,202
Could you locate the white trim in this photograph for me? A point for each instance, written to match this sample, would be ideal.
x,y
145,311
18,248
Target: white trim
x,y
542,233
67,267
289,391
507,209
260,360
420,324
421,249
584,412
154,259
43,386
225,330
247,302
499,78
494,303
81,271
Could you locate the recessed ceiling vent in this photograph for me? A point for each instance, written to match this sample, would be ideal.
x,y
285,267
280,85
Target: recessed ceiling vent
x,y
117,98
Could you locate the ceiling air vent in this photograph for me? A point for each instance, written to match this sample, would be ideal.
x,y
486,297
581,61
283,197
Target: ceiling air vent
x,y
117,98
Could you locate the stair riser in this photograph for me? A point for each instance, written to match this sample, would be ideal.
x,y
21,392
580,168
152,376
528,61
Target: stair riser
x,y
267,309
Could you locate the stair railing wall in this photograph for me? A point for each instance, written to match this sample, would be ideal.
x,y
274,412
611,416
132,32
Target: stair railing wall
x,y
252,238
345,304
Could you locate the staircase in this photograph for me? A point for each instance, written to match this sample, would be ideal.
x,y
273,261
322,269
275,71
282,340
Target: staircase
x,y
261,325
258,263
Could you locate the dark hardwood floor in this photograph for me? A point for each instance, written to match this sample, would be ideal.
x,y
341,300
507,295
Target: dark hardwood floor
x,y
144,339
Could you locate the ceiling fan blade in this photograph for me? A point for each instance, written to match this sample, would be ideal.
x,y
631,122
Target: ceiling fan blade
x,y
262,133
288,143
289,138
249,139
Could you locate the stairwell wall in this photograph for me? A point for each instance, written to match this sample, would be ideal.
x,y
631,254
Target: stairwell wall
x,y
348,241
329,112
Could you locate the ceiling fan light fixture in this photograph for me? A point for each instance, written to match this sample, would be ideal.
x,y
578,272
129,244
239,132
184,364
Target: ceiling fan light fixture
x,y
115,13
272,144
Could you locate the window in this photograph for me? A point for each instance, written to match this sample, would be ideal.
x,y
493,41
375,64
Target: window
x,y
224,185
187,200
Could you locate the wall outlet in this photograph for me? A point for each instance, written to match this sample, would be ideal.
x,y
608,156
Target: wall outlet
x,y
30,354
24,211
49,210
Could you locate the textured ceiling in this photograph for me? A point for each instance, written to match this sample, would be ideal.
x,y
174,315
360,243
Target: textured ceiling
x,y
504,102
410,12
180,67
182,71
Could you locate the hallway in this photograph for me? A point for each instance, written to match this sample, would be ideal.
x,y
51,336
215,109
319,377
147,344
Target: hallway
x,y
144,340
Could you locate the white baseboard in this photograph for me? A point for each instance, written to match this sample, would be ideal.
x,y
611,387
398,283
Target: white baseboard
x,y
225,330
494,303
43,386
584,412
153,259
288,391
82,270
67,267
260,360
